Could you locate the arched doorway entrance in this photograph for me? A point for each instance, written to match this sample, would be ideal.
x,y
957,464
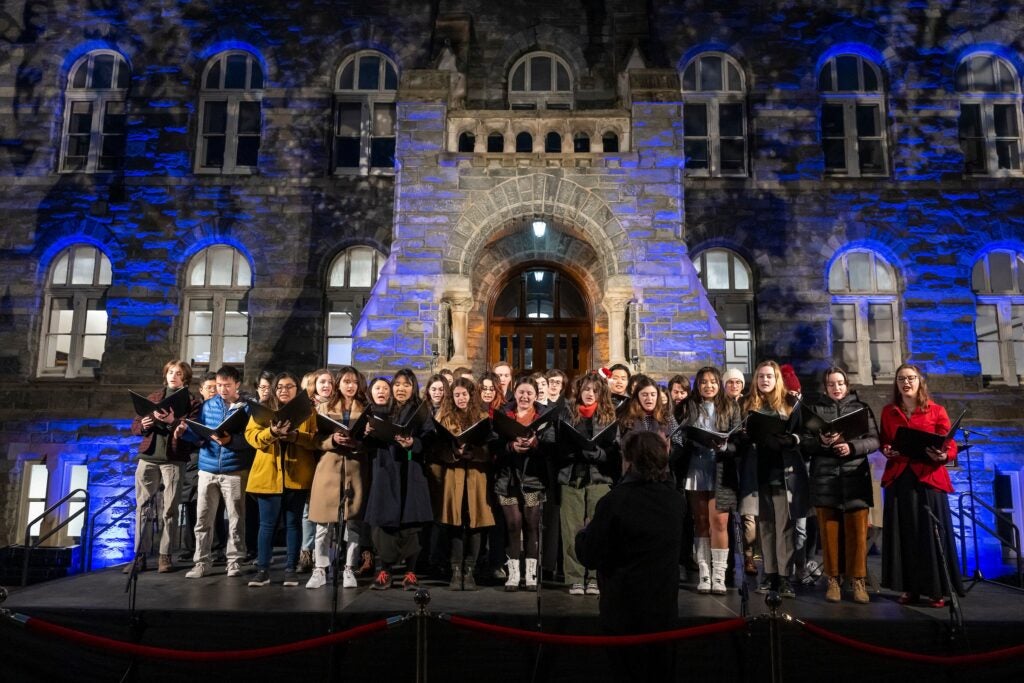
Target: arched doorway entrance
x,y
539,321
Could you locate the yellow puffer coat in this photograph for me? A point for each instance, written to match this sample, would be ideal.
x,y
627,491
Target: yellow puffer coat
x,y
281,464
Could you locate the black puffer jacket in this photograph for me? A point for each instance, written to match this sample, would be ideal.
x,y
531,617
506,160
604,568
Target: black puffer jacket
x,y
843,483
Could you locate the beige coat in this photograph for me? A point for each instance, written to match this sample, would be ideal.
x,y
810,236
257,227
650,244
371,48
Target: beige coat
x,y
339,473
464,477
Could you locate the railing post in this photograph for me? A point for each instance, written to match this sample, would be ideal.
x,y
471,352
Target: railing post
x,y
422,599
774,601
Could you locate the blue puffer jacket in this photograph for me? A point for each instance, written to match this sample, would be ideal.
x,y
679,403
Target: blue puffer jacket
x,y
217,459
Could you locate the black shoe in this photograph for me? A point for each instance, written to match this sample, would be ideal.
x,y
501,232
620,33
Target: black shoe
x,y
785,589
290,578
261,579
456,583
765,585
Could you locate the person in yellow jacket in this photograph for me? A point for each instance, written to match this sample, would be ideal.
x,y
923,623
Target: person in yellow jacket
x,y
280,478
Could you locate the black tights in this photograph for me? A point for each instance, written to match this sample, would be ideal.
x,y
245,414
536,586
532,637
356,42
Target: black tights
x,y
527,521
465,543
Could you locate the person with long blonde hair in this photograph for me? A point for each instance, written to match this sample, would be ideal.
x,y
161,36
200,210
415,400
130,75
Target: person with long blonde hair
x,y
781,480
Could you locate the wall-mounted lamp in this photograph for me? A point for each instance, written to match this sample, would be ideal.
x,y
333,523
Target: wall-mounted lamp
x,y
635,360
540,226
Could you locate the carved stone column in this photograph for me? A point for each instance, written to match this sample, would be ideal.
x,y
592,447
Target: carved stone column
x,y
616,308
461,306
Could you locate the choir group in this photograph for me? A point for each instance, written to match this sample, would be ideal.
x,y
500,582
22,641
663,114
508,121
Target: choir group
x,y
472,469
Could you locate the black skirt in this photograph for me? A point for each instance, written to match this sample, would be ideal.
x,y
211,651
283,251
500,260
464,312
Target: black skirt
x,y
910,559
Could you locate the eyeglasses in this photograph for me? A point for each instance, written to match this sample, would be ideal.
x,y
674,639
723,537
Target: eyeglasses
x,y
285,387
908,379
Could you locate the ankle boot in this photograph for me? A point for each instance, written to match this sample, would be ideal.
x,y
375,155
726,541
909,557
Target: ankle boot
x,y
468,581
719,562
833,592
531,574
703,565
456,583
860,591
512,583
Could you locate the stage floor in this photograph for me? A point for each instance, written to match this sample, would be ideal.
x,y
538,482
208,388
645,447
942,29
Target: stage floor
x,y
216,612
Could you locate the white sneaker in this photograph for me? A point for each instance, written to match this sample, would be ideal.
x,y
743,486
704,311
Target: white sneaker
x,y
317,579
592,588
199,571
234,569
577,589
348,578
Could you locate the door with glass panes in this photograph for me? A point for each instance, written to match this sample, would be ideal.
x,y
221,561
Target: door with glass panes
x,y
540,321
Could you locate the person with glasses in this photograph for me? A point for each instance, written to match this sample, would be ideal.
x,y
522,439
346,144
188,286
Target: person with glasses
x,y
841,490
280,478
910,557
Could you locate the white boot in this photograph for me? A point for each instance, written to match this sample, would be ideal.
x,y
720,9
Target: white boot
x,y
531,574
719,563
703,547
512,584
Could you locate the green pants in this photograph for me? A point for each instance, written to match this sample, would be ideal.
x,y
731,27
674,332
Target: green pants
x,y
577,508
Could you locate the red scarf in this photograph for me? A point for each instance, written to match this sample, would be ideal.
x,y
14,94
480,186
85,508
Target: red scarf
x,y
587,412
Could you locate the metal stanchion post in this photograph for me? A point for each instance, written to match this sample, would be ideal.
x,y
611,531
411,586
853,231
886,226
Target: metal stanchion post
x,y
422,599
774,601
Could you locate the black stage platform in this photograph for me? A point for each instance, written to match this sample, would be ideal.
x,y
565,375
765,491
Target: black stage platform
x,y
215,613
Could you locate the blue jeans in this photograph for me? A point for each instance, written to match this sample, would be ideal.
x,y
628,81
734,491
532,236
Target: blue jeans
x,y
271,506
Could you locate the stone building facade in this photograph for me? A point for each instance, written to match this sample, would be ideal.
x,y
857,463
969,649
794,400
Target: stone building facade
x,y
288,186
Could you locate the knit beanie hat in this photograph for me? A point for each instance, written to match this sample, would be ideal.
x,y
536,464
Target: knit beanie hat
x,y
733,373
789,378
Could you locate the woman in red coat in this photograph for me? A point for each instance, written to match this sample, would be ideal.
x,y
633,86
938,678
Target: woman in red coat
x,y
910,558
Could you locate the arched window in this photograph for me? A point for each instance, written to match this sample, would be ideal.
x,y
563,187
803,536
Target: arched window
x,y
467,143
495,143
553,143
865,318
727,280
714,116
230,114
990,116
998,283
853,135
364,129
610,142
581,143
524,143
352,275
540,80
94,113
217,308
74,332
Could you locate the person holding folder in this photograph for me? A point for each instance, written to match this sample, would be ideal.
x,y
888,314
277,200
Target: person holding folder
x,y
916,487
837,439
587,469
460,448
281,474
520,481
162,455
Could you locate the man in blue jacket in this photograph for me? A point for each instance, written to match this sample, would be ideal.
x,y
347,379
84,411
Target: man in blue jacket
x,y
224,462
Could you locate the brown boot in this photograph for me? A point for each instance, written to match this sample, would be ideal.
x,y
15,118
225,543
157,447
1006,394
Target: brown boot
x,y
860,591
367,566
833,593
305,562
165,564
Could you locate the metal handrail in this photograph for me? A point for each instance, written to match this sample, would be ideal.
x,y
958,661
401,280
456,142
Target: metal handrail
x,y
92,522
29,546
1014,541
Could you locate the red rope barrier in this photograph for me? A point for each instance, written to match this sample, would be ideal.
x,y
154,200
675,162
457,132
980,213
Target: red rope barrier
x,y
148,651
600,641
944,660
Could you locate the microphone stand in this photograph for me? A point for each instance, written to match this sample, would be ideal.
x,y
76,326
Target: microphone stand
x,y
977,576
540,576
956,616
135,623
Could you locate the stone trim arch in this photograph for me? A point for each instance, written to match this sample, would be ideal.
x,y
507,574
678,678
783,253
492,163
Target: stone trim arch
x,y
544,195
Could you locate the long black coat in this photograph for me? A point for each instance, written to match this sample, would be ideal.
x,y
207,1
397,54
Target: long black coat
x,y
633,542
399,495
835,482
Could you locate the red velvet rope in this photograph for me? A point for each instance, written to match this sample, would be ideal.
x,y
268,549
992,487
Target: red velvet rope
x,y
944,660
600,641
162,653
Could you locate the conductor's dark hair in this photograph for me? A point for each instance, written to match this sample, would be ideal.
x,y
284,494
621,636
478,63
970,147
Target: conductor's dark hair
x,y
647,454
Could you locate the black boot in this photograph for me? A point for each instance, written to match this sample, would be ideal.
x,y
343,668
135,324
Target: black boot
x,y
468,582
456,584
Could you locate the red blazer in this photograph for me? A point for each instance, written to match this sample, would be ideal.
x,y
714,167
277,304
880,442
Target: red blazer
x,y
178,450
930,419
